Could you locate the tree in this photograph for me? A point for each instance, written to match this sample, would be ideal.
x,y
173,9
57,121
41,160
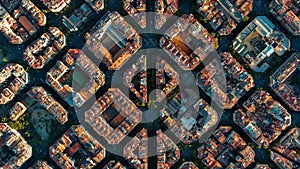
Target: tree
x,y
217,43
148,104
213,34
27,134
20,124
45,11
246,19
4,120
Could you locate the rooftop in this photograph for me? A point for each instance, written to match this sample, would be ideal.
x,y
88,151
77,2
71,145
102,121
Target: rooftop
x,y
284,84
79,16
287,12
163,10
19,78
258,41
40,95
136,150
238,80
97,5
226,148
263,119
20,19
113,40
14,149
113,116
187,42
137,9
114,165
224,15
67,73
56,5
188,165
188,116
39,52
76,149
40,165
285,153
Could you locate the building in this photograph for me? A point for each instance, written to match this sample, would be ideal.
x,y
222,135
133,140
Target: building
x,y
14,149
188,116
224,15
258,41
39,17
79,16
188,165
287,12
113,40
187,42
285,154
40,165
27,25
166,6
136,150
167,151
226,149
113,116
285,82
137,9
9,27
40,95
56,5
114,165
163,10
97,5
15,22
84,73
17,111
76,149
19,78
167,79
263,119
262,166
140,69
164,71
39,52
238,80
